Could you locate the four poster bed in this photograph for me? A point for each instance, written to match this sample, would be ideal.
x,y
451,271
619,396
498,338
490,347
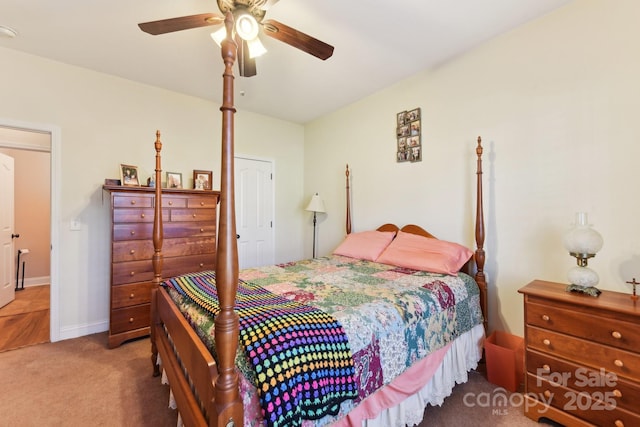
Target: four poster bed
x,y
353,336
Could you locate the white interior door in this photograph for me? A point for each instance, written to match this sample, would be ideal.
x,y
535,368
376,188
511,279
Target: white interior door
x,y
254,212
7,274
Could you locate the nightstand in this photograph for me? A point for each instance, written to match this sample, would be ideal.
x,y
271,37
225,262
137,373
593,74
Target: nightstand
x,y
582,356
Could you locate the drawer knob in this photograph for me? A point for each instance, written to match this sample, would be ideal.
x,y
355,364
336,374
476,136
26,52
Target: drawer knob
x,y
545,317
618,423
617,335
132,295
546,342
546,368
201,203
132,273
617,393
201,265
133,233
132,251
202,230
141,215
170,202
547,394
194,215
618,363
131,320
133,202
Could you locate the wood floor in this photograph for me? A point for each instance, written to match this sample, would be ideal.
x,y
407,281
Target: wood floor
x,y
25,321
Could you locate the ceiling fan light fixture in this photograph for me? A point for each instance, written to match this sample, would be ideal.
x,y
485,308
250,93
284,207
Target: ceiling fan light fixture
x,y
256,48
7,32
219,35
247,26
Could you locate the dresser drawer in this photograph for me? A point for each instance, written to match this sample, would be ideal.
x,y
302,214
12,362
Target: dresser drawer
x,y
624,363
138,250
131,272
178,215
144,231
174,202
132,294
609,331
596,407
130,318
133,200
136,215
202,202
624,393
188,264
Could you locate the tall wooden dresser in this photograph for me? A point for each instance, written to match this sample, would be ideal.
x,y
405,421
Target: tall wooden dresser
x,y
582,356
189,223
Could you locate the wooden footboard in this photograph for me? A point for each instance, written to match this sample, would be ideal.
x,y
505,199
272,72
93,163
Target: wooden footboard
x,y
186,361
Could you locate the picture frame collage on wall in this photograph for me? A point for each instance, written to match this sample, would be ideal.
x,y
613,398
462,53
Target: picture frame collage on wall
x,y
409,136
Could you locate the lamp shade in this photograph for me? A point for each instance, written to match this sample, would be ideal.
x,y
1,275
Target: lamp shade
x,y
316,204
582,239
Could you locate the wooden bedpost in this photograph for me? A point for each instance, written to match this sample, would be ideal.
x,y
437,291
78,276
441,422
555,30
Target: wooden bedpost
x,y
348,222
227,403
157,255
479,254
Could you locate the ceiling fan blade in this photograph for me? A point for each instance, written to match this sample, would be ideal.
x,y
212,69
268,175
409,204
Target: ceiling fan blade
x,y
297,39
182,23
246,64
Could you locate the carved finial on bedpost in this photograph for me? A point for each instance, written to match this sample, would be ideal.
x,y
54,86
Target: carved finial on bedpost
x,y
479,254
227,404
348,225
156,259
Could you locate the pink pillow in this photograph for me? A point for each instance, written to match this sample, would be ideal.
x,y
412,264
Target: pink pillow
x,y
367,245
426,254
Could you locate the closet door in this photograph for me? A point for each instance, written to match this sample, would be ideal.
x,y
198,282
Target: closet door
x,y
254,212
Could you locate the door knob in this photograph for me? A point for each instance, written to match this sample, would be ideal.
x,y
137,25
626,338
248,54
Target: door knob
x,y
15,236
237,236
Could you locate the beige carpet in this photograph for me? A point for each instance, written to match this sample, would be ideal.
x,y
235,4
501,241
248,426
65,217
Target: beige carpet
x,y
80,382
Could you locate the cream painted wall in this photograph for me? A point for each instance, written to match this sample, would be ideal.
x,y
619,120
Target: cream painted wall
x,y
105,121
556,102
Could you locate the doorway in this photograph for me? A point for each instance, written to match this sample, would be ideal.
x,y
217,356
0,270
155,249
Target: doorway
x,y
33,141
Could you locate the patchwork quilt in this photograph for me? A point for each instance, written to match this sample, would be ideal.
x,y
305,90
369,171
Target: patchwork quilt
x,y
392,317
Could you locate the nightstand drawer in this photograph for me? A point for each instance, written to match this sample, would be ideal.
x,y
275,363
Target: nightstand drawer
x,y
596,407
609,331
623,363
576,377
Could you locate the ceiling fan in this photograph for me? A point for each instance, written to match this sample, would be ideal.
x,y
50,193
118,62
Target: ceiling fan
x,y
249,16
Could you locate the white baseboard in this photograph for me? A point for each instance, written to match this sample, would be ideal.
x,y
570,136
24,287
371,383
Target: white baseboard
x,y
34,281
70,332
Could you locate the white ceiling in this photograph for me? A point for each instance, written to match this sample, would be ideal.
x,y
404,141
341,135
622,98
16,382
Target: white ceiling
x,y
377,43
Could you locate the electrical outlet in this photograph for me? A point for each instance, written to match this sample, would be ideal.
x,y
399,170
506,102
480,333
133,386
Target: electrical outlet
x,y
75,225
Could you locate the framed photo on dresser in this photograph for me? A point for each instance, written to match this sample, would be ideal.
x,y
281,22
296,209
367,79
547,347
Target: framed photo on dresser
x,y
202,180
174,180
129,175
